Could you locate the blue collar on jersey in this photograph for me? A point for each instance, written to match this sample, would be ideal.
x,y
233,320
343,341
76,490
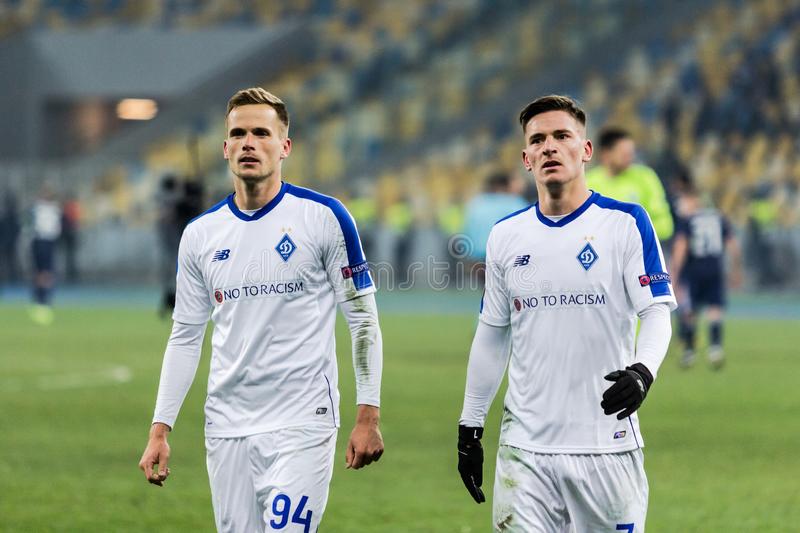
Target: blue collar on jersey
x,y
261,212
569,218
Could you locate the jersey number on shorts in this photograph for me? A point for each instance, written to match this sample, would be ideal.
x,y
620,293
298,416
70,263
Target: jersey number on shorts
x,y
628,528
281,506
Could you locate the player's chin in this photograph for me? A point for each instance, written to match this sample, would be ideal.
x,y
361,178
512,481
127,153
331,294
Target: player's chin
x,y
252,175
555,175
552,179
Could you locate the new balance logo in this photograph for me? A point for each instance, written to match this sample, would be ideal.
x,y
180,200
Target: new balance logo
x,y
522,260
221,255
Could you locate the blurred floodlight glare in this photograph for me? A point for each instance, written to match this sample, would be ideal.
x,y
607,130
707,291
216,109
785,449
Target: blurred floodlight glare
x,y
137,109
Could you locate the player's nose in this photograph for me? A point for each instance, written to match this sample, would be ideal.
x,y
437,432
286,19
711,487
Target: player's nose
x,y
548,146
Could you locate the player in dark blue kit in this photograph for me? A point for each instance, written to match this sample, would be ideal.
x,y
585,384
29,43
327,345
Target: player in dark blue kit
x,y
703,239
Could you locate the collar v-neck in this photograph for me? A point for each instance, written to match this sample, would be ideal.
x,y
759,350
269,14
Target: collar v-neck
x,y
261,211
570,217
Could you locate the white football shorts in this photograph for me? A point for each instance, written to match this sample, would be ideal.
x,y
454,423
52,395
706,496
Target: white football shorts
x,y
274,481
549,493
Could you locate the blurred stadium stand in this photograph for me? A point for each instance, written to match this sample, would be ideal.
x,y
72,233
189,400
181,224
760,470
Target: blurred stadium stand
x,y
399,108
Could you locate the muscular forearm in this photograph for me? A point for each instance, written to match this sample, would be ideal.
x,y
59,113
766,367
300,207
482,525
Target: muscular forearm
x,y
362,317
487,364
654,333
177,371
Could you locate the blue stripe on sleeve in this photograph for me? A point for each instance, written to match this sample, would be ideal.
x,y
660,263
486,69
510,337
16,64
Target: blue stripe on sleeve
x,y
355,255
652,259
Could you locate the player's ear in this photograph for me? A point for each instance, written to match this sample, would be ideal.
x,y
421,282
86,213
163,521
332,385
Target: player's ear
x,y
286,148
588,150
526,162
225,149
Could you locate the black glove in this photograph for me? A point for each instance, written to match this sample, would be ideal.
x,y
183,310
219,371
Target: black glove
x,y
470,460
628,392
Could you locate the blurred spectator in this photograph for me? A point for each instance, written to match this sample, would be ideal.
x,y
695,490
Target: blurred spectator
x,y
502,196
9,233
762,226
190,203
400,221
620,178
703,239
46,229
70,224
169,237
363,210
180,201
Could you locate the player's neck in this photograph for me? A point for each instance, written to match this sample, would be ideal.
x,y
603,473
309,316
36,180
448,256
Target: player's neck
x,y
255,195
553,203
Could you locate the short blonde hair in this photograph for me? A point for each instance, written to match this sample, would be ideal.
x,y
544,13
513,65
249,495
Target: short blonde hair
x,y
258,95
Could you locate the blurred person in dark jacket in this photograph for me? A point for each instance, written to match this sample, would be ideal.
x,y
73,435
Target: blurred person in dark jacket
x,y
9,234
169,230
179,202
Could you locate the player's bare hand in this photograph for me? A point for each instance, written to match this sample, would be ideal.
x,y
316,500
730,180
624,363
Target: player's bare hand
x,y
366,442
155,459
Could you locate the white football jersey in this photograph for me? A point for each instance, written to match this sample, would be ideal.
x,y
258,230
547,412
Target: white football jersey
x,y
271,281
46,220
570,291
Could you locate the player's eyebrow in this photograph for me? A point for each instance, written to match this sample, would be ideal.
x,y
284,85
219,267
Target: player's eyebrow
x,y
535,137
540,136
256,131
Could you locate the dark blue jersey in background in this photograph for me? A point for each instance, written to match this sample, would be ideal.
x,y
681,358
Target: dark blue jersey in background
x,y
706,232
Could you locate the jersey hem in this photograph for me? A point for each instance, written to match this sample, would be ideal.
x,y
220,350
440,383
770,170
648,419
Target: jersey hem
x,y
189,320
493,323
235,434
669,300
363,292
371,402
568,450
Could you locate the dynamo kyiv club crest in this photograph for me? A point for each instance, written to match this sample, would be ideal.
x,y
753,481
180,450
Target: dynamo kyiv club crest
x,y
587,257
286,247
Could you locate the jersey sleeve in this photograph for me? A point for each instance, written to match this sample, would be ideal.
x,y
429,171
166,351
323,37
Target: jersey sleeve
x,y
192,300
343,255
495,309
644,270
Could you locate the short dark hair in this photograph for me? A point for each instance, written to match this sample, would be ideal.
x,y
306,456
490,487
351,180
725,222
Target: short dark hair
x,y
552,102
258,95
611,135
497,180
683,182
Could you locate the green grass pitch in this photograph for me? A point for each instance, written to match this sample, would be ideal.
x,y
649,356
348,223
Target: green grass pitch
x,y
722,448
